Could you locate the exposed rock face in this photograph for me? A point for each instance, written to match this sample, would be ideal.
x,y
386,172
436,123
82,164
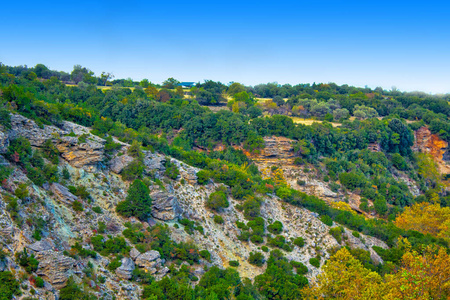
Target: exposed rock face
x,y
126,269
277,147
426,142
150,260
62,193
118,163
153,162
54,267
41,246
80,155
4,142
21,126
165,206
85,155
134,253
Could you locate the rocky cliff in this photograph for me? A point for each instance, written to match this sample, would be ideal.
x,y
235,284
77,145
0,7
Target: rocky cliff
x,y
83,157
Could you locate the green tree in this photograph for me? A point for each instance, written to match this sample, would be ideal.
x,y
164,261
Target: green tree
x,y
137,203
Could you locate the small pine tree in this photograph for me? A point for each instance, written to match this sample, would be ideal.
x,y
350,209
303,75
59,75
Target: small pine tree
x,y
138,202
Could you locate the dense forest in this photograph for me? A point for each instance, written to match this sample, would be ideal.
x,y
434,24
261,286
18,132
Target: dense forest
x,y
190,124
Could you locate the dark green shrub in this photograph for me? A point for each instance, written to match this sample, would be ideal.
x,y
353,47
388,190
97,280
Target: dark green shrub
x,y
275,228
218,219
203,177
9,286
5,118
356,234
171,170
39,282
326,220
77,206
137,203
256,239
301,268
28,262
51,152
206,255
217,200
101,227
97,209
336,232
314,262
299,242
21,192
19,150
234,263
256,258
265,249
133,170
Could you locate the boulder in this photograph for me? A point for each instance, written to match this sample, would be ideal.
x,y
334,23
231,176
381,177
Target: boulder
x,y
149,260
62,193
165,206
126,269
118,163
153,163
134,253
41,246
54,267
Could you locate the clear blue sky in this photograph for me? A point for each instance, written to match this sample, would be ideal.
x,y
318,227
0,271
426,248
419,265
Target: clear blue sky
x,y
375,43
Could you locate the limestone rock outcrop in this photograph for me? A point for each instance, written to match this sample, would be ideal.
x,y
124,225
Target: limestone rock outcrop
x,y
54,267
165,206
126,269
62,193
150,260
118,163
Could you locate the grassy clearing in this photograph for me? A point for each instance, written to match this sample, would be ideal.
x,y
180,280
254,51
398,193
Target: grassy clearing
x,y
308,122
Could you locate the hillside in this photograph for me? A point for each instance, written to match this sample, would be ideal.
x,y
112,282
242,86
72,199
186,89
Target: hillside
x,y
136,194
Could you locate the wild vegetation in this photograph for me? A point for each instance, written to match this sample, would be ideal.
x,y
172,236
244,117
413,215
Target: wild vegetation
x,y
175,122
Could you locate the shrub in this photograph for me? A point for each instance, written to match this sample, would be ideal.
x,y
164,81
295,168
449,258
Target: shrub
x,y
5,118
256,258
380,206
336,232
77,206
275,228
133,170
171,170
234,263
218,219
265,249
97,209
101,227
137,203
203,177
217,200
256,239
39,282
299,242
314,262
326,220
9,286
19,150
206,255
51,152
352,180
28,262
356,234
301,268
21,192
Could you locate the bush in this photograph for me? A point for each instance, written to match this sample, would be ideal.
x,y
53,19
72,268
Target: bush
x,y
314,262
218,219
336,232
299,242
327,220
256,258
28,262
97,209
217,200
301,268
39,282
9,286
265,249
380,206
137,203
275,228
5,118
352,180
77,206
21,192
203,177
19,150
356,234
171,170
133,170
206,255
256,239
51,152
234,263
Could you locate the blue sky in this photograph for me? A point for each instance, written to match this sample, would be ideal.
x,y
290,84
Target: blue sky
x,y
375,43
